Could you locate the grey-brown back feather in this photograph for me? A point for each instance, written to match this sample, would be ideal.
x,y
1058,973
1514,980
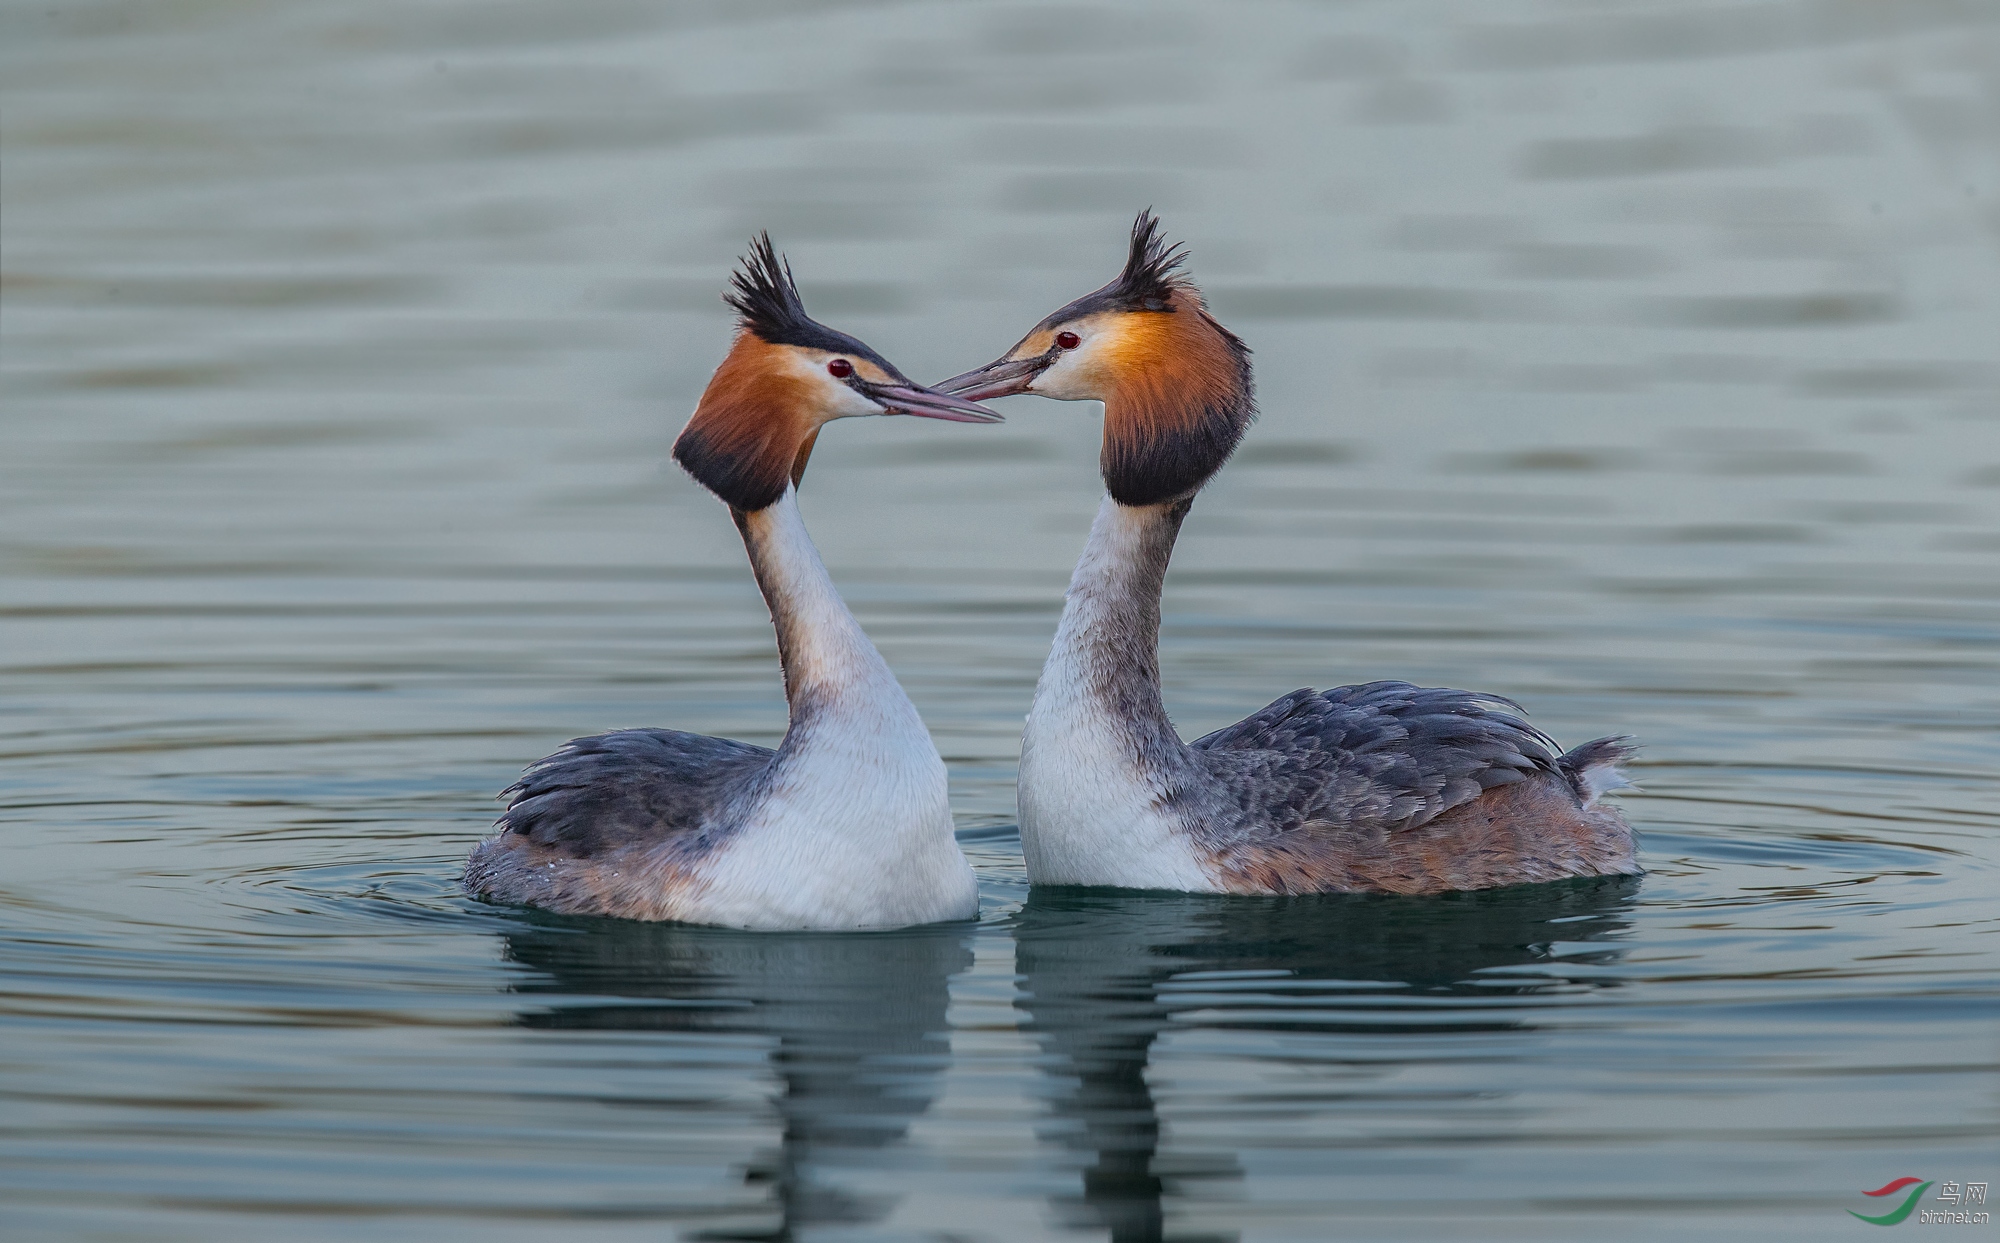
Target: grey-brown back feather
x,y
1376,757
633,787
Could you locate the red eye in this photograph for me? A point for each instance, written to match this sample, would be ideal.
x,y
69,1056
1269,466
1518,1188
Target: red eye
x,y
1068,340
840,368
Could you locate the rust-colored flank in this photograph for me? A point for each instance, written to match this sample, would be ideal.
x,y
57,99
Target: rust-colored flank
x,y
1533,830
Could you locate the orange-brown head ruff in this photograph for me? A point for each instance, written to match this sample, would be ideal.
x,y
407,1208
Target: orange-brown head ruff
x,y
785,377
753,423
1176,385
1179,402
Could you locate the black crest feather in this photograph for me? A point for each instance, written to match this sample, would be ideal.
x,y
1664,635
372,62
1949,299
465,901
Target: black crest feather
x,y
764,296
767,303
1152,268
1152,274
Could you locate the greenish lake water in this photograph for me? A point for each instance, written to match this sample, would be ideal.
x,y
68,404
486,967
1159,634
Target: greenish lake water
x,y
1639,362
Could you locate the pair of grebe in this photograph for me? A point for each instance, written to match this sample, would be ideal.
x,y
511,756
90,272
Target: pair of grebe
x,y
1382,787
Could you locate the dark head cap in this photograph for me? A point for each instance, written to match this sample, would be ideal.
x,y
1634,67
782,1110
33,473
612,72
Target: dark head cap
x,y
767,304
1152,274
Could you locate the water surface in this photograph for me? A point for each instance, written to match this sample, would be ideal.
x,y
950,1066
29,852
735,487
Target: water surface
x,y
1634,362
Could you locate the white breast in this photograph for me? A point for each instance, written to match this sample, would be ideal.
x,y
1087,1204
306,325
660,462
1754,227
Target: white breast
x,y
858,836
1089,815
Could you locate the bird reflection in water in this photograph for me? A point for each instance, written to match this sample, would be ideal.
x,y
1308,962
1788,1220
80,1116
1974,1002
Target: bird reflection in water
x,y
1103,972
858,1020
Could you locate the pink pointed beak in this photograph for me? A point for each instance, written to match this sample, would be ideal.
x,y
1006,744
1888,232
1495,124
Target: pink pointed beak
x,y
928,403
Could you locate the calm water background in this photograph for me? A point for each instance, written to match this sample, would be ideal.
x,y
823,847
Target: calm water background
x,y
1638,362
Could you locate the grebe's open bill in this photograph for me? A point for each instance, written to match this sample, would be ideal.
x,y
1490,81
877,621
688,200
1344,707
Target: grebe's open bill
x,y
930,404
1002,378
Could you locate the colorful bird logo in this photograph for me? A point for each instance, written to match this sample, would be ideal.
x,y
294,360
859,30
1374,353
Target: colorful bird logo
x,y
1897,1214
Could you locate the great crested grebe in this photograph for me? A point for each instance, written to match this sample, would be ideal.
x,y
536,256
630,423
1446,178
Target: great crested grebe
x,y
846,824
1380,787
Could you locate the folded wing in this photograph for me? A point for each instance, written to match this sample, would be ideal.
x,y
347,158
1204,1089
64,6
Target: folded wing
x,y
1377,757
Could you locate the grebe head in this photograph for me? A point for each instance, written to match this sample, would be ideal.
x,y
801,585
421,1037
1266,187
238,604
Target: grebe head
x,y
1175,384
787,376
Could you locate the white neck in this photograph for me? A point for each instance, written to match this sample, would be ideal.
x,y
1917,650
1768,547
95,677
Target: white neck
x,y
831,669
1099,755
853,825
1106,658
